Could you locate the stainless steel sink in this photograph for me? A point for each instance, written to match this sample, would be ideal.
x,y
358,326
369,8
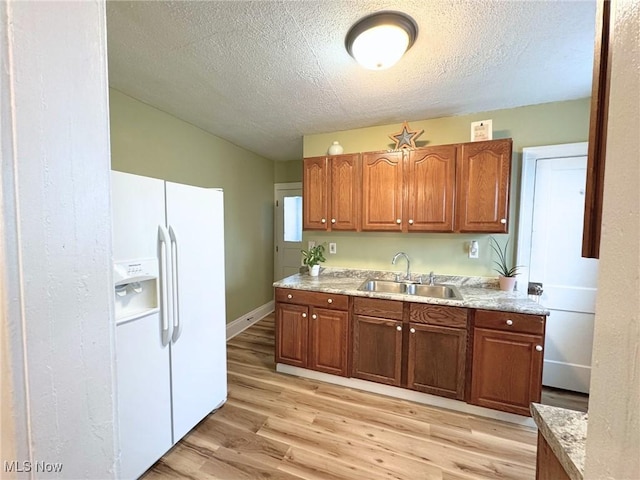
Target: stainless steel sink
x,y
408,288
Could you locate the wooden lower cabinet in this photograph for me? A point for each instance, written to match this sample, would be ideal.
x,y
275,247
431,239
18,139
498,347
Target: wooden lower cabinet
x,y
309,336
377,349
291,334
506,371
548,467
488,358
437,360
328,348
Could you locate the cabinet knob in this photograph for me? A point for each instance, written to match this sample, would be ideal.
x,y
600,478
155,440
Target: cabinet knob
x,y
412,330
324,220
330,300
503,221
314,316
289,296
509,322
538,348
411,221
398,221
399,328
333,220
304,315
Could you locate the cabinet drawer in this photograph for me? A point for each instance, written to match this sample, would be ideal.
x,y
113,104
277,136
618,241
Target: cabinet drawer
x,y
314,299
510,322
455,317
378,308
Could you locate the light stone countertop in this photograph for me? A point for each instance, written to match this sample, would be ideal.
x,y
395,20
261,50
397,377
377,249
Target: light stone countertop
x,y
566,433
477,292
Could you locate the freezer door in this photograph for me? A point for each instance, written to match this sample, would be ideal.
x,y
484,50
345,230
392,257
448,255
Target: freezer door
x,y
195,221
144,395
137,205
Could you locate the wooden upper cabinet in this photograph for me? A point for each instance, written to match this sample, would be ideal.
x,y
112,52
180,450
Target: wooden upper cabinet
x,y
482,189
431,183
382,191
345,192
331,194
315,202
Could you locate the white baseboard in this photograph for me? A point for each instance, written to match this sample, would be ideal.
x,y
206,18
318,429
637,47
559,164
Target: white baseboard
x,y
567,376
242,323
406,394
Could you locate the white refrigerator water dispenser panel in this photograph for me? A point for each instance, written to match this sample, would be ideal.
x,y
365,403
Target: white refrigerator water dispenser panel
x,y
135,288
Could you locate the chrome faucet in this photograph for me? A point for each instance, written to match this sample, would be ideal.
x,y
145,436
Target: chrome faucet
x,y
402,254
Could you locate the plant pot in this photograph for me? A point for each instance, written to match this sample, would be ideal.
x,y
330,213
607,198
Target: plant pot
x,y
507,283
314,271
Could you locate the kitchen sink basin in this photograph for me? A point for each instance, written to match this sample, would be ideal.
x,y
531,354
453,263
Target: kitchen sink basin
x,y
409,288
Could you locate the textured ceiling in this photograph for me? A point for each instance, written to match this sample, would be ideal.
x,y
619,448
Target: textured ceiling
x,y
262,74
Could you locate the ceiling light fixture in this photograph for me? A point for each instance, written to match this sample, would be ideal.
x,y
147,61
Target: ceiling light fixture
x,y
379,40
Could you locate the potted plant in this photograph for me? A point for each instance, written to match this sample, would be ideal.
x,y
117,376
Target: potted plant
x,y
506,271
312,259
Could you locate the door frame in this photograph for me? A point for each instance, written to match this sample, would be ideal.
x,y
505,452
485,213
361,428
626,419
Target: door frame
x,y
277,188
530,155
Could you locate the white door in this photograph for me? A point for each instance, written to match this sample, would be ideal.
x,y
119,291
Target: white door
x,y
569,281
144,385
288,229
195,221
144,398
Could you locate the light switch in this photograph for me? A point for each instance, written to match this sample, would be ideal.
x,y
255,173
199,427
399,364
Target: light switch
x,y
311,244
333,248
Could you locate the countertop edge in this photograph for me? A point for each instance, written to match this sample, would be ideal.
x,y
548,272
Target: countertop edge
x,y
565,432
513,305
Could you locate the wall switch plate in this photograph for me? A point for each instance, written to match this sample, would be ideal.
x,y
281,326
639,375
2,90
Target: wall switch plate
x,y
333,248
311,244
473,249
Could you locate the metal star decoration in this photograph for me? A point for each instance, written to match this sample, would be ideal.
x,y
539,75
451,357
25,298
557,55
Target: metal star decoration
x,y
405,138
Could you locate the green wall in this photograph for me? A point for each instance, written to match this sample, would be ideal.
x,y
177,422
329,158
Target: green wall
x,y
290,171
536,125
147,141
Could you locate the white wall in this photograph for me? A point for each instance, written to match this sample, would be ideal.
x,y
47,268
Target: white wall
x,y
613,438
56,238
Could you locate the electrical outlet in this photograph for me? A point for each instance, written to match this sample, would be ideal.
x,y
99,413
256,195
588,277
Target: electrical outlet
x,y
473,249
311,244
333,248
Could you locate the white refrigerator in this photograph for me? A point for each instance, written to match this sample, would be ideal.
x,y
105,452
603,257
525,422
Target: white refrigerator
x,y
168,251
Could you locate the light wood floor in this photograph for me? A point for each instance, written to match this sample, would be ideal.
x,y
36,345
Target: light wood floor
x,y
276,426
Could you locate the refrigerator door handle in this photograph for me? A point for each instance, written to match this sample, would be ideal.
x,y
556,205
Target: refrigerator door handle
x,y
164,284
177,325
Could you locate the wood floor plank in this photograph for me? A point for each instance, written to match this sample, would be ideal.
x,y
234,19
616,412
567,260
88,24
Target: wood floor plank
x,y
433,452
309,465
363,455
231,464
277,426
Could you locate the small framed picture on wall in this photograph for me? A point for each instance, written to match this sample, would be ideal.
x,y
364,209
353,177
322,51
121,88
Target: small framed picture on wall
x,y
482,130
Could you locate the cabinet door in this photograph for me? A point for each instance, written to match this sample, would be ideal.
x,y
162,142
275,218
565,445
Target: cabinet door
x,y
382,191
345,192
329,330
377,350
437,360
431,184
291,334
507,370
483,186
315,203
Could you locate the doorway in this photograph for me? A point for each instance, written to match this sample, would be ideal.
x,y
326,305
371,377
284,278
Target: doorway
x,y
550,247
288,229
